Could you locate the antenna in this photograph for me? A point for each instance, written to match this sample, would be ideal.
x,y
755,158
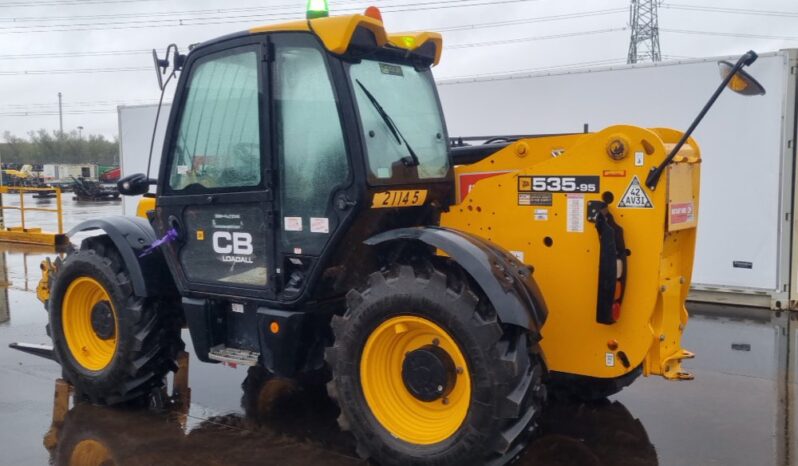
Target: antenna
x,y
644,22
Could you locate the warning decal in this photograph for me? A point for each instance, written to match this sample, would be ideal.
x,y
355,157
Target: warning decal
x,y
682,213
635,197
576,213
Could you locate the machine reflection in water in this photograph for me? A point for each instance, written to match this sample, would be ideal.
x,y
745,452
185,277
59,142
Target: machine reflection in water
x,y
297,424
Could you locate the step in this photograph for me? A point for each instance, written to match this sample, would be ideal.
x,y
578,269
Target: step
x,y
222,353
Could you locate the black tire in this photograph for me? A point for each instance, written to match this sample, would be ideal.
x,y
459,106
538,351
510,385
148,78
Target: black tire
x,y
148,330
506,388
570,388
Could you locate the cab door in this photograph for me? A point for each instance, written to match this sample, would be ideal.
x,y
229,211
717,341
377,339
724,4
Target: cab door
x,y
215,186
316,194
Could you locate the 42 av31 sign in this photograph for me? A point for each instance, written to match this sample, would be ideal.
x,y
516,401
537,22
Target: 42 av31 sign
x,y
635,197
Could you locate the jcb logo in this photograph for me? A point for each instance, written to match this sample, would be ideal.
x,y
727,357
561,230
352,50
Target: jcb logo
x,y
225,242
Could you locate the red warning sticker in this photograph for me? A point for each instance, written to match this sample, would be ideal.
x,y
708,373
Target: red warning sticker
x,y
682,213
468,180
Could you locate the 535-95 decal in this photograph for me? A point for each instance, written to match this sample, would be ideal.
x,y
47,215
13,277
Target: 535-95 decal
x,y
559,184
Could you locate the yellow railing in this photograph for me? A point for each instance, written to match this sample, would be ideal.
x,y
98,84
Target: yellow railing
x,y
23,233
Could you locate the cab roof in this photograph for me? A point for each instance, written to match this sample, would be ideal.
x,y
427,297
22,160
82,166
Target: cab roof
x,y
338,32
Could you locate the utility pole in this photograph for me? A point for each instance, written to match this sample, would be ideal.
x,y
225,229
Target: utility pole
x,y
60,118
644,22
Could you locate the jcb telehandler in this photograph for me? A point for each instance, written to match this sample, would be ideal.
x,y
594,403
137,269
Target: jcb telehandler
x,y
312,218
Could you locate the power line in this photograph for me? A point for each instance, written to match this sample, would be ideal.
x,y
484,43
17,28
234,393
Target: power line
x,y
45,55
94,103
540,19
96,53
24,19
227,11
677,57
54,113
534,38
728,34
214,11
189,21
738,11
584,64
19,4
74,71
67,3
451,47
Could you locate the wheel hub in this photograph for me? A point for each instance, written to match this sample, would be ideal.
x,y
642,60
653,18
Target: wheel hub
x,y
102,320
429,373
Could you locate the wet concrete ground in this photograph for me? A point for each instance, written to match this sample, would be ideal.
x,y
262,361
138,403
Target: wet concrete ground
x,y
739,410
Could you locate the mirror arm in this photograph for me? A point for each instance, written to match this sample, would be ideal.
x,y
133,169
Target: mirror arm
x,y
656,172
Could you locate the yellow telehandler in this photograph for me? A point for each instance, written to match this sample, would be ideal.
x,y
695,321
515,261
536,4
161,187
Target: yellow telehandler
x,y
312,217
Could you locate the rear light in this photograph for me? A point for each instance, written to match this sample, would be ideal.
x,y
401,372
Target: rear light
x,y
374,13
616,311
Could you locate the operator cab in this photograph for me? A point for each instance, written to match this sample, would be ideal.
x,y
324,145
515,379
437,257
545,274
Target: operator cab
x,y
290,145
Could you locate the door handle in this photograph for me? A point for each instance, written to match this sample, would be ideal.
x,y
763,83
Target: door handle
x,y
176,225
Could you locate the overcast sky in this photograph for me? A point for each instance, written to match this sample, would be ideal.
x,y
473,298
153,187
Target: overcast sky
x,y
51,46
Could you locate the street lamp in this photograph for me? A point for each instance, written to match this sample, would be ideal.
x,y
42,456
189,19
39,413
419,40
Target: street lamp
x,y
80,132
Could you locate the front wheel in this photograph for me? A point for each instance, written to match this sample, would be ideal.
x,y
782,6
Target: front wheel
x,y
424,373
113,346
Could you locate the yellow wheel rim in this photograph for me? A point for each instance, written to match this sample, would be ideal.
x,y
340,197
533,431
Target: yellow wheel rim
x,y
88,349
397,410
90,453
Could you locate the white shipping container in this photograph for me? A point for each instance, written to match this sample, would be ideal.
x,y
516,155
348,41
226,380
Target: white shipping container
x,y
135,133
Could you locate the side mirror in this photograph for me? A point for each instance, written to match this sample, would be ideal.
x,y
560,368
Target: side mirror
x,y
735,79
135,185
161,64
742,82
176,60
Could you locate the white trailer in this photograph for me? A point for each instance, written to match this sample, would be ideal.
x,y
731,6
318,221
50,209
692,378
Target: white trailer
x,y
64,171
745,240
135,133
745,233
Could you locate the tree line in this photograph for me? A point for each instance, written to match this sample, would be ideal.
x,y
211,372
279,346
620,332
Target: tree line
x,y
42,147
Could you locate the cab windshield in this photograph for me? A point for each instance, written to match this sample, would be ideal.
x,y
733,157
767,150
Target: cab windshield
x,y
401,122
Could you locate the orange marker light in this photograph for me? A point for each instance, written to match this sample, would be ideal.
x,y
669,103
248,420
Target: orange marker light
x,y
274,327
618,290
374,13
612,345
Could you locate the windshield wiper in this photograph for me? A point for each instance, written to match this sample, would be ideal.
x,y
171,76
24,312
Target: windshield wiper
x,y
411,161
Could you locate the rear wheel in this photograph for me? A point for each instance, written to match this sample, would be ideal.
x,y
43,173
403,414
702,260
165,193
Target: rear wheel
x,y
424,373
113,346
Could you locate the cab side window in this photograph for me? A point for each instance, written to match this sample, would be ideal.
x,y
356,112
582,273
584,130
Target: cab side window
x,y
310,144
218,140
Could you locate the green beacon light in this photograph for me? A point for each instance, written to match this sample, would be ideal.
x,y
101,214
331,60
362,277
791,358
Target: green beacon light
x,y
318,9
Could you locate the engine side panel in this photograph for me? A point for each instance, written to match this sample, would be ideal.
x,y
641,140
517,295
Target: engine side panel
x,y
532,198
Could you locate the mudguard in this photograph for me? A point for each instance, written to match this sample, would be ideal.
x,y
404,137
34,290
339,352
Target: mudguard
x,y
131,235
506,281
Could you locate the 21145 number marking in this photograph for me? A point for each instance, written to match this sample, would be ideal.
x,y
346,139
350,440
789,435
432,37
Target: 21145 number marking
x,y
399,198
